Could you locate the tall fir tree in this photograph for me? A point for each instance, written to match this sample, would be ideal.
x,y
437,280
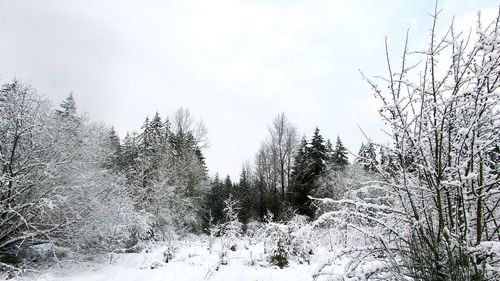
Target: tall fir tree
x,y
317,154
68,107
329,151
339,157
214,202
114,160
368,157
244,196
310,163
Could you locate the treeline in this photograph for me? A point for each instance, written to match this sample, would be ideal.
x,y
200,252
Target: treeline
x,y
165,170
287,171
74,184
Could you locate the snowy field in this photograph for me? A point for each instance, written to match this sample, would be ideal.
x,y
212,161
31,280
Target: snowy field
x,y
192,260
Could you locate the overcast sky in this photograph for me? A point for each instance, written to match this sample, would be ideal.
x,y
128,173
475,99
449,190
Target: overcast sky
x,y
234,64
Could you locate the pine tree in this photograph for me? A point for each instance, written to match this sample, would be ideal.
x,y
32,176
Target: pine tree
x,y
215,200
317,155
228,185
387,161
244,196
69,124
339,157
310,164
329,151
300,168
114,160
368,157
300,183
68,107
130,151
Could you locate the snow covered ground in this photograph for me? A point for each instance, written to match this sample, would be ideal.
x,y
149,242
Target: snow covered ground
x,y
193,260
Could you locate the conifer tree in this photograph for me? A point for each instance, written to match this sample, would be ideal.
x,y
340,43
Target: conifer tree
x,y
114,160
215,200
130,151
339,157
368,157
310,164
329,151
69,123
317,154
68,107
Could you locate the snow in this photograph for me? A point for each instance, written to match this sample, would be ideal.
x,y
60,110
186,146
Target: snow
x,y
192,260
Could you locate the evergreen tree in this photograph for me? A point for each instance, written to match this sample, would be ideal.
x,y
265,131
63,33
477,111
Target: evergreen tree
x,y
329,151
215,201
310,164
387,161
244,196
368,157
130,152
147,158
317,154
68,107
300,158
114,160
228,185
69,124
339,157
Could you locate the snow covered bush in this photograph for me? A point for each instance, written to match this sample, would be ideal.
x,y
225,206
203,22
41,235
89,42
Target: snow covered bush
x,y
439,201
232,228
279,255
293,239
436,207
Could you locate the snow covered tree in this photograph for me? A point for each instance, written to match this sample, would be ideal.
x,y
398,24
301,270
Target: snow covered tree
x,y
214,202
29,164
187,167
282,143
279,256
166,173
264,181
311,163
339,156
68,107
317,154
245,195
273,165
55,187
232,228
301,179
437,214
367,157
97,199
114,159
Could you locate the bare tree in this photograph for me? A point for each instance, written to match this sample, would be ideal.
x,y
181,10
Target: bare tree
x,y
436,214
283,143
184,124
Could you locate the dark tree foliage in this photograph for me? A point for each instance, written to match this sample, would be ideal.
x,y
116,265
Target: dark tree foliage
x,y
244,195
339,157
368,157
214,202
310,163
114,160
68,107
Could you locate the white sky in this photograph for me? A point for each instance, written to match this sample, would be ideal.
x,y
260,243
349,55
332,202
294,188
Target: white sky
x,y
234,64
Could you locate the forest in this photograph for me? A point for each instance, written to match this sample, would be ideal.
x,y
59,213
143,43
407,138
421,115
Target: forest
x,y
425,206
